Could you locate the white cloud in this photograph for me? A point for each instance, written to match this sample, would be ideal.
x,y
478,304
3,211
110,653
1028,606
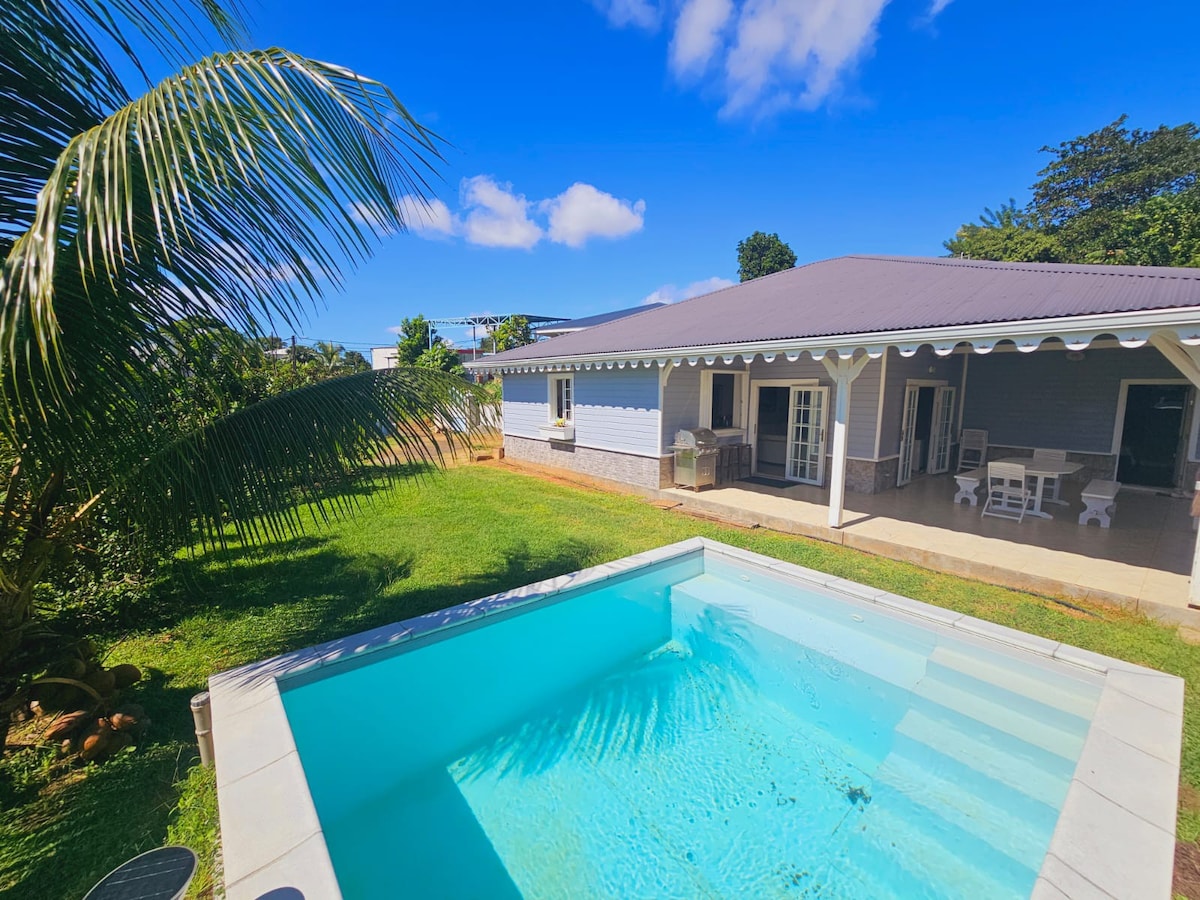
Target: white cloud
x,y
642,14
431,219
763,56
791,53
669,293
492,214
496,216
582,212
698,34
428,219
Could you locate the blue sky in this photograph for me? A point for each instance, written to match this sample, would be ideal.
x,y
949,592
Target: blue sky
x,y
606,152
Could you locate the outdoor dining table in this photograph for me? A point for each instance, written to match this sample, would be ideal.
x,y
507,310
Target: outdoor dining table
x,y
1041,469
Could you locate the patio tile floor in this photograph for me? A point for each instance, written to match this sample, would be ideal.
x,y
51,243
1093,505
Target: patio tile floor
x,y
1144,560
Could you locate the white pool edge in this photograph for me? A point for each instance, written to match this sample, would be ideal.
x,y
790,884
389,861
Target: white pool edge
x,y
1115,836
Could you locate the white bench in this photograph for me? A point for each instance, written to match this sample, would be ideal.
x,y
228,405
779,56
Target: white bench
x,y
1100,498
968,484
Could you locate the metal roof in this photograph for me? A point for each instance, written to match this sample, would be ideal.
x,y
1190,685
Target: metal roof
x,y
599,319
863,295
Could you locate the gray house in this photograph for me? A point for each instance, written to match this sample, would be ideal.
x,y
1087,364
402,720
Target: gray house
x,y
860,373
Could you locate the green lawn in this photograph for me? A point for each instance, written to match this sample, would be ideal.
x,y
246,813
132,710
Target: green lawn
x,y
472,532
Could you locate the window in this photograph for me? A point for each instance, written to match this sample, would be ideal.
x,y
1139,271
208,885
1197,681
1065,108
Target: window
x,y
561,398
721,402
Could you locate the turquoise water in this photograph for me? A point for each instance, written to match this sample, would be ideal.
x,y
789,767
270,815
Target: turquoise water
x,y
697,730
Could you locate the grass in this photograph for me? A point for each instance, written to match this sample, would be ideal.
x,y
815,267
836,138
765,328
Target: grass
x,y
477,530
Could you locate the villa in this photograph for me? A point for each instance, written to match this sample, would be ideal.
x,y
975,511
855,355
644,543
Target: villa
x,y
861,373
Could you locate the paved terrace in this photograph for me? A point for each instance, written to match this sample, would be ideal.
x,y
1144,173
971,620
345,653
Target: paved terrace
x,y
1143,561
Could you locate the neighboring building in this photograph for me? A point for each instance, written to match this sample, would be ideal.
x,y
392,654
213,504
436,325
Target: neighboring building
x,y
383,357
860,372
573,325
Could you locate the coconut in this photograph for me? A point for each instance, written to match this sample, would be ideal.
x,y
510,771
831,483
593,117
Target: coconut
x,y
101,680
96,740
66,724
125,675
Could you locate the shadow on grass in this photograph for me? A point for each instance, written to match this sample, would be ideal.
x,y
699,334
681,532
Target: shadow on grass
x,y
240,604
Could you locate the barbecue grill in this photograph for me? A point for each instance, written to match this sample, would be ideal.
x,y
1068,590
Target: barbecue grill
x,y
696,454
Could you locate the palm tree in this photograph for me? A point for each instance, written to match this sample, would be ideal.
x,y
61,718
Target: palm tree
x,y
231,193
330,354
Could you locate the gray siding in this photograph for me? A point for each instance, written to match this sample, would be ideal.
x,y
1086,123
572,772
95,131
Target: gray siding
x,y
680,403
899,370
1042,399
614,409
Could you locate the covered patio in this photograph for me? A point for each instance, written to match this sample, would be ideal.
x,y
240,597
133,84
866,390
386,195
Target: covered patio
x,y
1143,561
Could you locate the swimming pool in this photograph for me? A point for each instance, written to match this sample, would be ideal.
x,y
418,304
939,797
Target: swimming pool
x,y
703,722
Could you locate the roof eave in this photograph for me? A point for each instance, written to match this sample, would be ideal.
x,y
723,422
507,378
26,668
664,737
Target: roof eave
x,y
1131,328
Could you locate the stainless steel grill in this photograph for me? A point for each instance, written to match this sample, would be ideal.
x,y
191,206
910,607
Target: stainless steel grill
x,y
696,454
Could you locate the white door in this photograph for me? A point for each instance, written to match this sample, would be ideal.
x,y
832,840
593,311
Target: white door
x,y
908,434
942,430
806,434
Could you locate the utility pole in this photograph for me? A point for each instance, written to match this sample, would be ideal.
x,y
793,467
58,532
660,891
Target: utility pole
x,y
293,354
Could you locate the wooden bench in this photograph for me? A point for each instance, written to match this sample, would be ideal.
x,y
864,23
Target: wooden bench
x,y
968,484
1100,499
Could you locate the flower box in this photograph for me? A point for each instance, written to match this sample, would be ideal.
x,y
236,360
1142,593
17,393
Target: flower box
x,y
558,432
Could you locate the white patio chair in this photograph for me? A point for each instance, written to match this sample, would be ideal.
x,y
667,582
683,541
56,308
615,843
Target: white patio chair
x,y
972,448
1056,483
1008,497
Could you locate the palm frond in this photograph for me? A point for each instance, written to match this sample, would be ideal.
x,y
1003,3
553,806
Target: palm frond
x,y
55,83
223,192
258,469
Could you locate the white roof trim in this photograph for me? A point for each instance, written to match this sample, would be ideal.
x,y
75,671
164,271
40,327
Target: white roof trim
x,y
1132,329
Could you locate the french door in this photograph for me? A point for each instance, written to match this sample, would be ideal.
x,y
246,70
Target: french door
x,y
807,411
941,434
936,435
908,434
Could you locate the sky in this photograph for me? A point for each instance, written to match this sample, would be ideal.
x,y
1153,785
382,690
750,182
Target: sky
x,y
604,153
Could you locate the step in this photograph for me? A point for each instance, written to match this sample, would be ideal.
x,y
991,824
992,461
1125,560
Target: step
x,y
848,643
990,691
1031,678
1001,817
1046,735
903,842
1042,776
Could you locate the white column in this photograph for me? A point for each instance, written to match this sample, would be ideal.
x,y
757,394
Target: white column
x,y
843,372
837,482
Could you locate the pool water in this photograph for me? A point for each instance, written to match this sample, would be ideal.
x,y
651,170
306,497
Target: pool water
x,y
697,729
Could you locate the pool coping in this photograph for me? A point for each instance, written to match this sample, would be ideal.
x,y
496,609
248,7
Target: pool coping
x,y
1115,836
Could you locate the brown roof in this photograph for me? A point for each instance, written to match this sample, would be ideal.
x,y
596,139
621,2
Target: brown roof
x,y
853,295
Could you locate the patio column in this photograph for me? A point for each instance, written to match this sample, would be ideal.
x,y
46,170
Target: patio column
x,y
843,372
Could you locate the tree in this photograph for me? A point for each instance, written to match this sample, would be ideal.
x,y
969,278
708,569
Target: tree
x,y
515,331
133,233
330,354
763,254
354,361
442,357
1111,196
416,336
1006,233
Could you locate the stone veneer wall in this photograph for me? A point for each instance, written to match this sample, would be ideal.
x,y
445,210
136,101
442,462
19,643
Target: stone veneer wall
x,y
644,471
862,476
